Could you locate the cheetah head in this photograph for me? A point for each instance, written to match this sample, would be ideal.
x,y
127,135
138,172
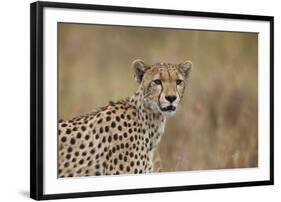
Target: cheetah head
x,y
162,84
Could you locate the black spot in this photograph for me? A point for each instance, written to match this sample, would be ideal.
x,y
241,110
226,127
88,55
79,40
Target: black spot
x,y
120,157
74,129
81,161
120,138
99,121
93,151
136,171
97,136
121,167
127,145
106,128
138,163
91,144
125,135
83,128
108,118
132,163
63,125
117,118
128,168
104,164
115,136
113,111
113,124
82,146
128,117
101,130
131,138
63,139
99,145
122,116
97,173
87,137
94,131
115,161
76,153
125,124
66,164
72,141
91,125
125,158
84,153
68,156
113,150
68,131
131,154
79,171
119,127
103,139
122,145
69,149
130,130
97,166
74,160
79,135
109,138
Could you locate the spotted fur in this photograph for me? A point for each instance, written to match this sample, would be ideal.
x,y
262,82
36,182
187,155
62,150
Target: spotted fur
x,y
121,137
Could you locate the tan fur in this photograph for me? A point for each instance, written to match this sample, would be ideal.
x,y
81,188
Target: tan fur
x,y
121,137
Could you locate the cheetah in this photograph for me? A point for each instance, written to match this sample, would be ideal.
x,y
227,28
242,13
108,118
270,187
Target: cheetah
x,y
121,137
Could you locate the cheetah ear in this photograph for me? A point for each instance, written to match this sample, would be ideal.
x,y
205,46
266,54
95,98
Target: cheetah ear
x,y
139,69
185,68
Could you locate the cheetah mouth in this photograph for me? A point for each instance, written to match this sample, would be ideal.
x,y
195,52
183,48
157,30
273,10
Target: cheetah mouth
x,y
169,108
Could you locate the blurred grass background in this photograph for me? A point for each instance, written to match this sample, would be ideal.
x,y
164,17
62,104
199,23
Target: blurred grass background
x,y
216,125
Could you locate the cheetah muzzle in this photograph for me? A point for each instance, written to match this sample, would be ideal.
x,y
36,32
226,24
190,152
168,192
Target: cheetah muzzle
x,y
121,137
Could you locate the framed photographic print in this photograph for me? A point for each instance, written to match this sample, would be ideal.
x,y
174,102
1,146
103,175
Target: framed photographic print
x,y
135,100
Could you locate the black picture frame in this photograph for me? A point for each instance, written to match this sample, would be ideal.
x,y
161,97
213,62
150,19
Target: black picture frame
x,y
37,99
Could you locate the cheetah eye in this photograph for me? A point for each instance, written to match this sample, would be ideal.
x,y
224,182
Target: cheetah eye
x,y
157,81
179,81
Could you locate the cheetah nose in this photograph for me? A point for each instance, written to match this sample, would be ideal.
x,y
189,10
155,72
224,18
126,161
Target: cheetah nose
x,y
171,98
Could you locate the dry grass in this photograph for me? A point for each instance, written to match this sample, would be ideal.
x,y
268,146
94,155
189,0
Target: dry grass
x,y
216,126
